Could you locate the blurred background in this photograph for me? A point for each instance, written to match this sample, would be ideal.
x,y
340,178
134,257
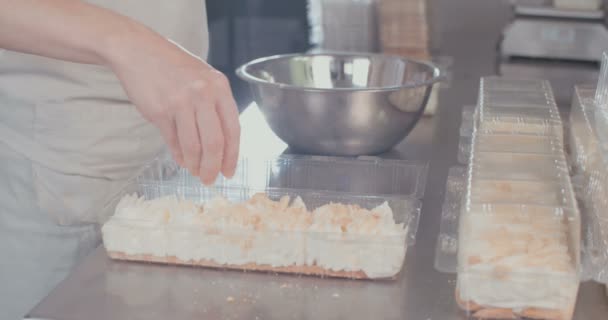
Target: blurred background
x,y
242,30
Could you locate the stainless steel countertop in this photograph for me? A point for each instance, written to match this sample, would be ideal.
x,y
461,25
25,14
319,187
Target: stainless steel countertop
x,y
103,289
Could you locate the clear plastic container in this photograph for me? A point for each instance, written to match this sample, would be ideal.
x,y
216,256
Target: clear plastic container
x,y
503,109
514,85
590,163
601,103
363,176
515,125
467,126
522,143
517,113
584,143
518,234
531,99
520,192
518,261
268,219
518,166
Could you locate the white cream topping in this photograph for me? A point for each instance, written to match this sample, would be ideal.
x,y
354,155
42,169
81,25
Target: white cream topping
x,y
516,260
278,233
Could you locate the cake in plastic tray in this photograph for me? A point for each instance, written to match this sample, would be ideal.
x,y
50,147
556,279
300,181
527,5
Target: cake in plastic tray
x,y
467,125
513,260
518,261
584,143
601,103
523,166
494,83
365,175
519,143
518,235
520,125
590,167
489,192
517,113
529,99
264,221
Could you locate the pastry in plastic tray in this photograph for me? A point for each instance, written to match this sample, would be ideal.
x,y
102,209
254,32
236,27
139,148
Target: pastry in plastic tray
x,y
518,191
589,162
526,166
521,125
518,261
521,114
519,227
338,240
517,99
522,143
495,83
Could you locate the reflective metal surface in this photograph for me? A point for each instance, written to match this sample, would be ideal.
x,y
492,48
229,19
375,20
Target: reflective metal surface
x,y
341,104
547,32
550,11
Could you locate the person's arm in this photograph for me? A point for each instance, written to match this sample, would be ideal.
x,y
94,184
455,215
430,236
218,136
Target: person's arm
x,y
189,101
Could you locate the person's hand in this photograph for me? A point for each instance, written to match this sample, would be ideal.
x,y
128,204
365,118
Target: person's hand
x,y
189,101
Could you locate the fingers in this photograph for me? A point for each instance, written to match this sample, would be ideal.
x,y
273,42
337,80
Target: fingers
x,y
189,141
212,142
168,130
204,136
229,120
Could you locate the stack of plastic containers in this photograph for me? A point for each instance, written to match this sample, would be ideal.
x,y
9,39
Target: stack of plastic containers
x,y
589,145
519,229
589,164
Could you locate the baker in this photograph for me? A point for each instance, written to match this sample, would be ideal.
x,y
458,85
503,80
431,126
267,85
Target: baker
x,y
89,92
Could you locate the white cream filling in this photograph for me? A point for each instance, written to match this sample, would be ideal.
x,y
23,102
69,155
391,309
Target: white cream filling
x,y
335,237
516,260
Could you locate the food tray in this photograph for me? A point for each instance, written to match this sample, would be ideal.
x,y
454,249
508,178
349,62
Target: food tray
x,y
365,175
514,125
467,127
522,143
589,164
518,192
304,245
520,166
530,99
517,114
511,228
518,261
493,84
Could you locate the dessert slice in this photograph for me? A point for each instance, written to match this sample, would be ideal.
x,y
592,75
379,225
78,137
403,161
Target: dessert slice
x,y
259,234
517,261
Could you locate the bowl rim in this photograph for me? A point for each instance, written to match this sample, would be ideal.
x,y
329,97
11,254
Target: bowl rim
x,y
243,73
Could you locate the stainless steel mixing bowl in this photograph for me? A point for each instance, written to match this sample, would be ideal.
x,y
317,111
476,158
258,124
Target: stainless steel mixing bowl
x,y
340,104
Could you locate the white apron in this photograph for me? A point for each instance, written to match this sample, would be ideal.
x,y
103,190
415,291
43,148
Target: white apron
x,y
68,139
